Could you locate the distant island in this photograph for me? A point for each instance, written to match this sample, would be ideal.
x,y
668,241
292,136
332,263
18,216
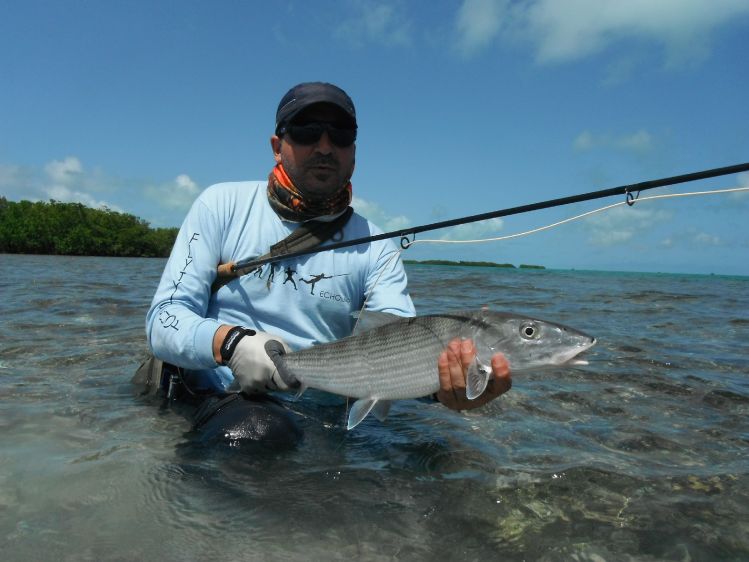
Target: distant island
x,y
72,229
473,264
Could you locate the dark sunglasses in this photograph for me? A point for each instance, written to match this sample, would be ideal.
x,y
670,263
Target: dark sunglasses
x,y
310,133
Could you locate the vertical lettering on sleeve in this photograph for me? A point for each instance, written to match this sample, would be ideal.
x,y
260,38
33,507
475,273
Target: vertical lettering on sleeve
x,y
166,318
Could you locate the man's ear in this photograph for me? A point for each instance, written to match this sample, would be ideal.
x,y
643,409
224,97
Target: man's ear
x,y
275,144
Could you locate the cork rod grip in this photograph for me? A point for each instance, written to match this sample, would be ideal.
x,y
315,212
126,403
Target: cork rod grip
x,y
225,273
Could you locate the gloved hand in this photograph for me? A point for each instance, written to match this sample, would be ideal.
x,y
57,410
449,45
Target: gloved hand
x,y
244,352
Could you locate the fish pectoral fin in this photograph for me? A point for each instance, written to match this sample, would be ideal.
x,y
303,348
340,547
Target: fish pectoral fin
x,y
300,391
359,411
381,409
476,380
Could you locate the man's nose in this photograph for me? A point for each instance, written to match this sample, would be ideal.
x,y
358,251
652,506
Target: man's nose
x,y
324,145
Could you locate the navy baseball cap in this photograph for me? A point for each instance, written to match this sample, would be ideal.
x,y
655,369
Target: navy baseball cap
x,y
308,93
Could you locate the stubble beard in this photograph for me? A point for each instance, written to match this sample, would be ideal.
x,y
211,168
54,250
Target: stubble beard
x,y
318,183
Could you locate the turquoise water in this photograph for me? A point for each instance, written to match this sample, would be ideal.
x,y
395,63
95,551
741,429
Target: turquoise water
x,y
642,455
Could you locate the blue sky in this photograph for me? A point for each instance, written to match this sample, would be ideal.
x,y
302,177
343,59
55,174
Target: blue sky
x,y
464,107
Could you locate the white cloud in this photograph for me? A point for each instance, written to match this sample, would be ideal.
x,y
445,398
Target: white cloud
x,y
177,194
743,181
12,177
705,239
381,22
573,29
474,231
8,174
611,237
640,141
69,181
478,24
66,195
621,224
471,231
65,172
621,69
376,214
584,141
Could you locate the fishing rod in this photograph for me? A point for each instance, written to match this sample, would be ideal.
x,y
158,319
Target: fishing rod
x,y
631,191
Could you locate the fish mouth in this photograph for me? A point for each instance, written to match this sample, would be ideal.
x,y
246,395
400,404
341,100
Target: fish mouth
x,y
572,356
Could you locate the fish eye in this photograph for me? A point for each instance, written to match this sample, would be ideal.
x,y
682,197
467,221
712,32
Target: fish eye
x,y
528,330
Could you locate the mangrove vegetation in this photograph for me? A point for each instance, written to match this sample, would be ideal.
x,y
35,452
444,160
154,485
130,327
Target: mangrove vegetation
x,y
73,229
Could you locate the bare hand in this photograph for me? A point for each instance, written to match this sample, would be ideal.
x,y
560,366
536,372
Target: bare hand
x,y
453,364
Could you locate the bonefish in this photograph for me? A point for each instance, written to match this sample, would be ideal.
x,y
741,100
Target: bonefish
x,y
397,359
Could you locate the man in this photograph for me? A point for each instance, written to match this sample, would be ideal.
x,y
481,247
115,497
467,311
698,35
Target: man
x,y
216,339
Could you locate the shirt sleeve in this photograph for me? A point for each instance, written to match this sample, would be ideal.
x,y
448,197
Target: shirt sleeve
x,y
386,283
177,329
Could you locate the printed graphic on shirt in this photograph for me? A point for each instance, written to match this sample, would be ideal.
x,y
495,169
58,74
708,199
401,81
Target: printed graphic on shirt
x,y
313,280
320,284
166,318
289,276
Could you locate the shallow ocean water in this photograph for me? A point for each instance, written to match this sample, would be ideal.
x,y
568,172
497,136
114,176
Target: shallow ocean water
x,y
642,455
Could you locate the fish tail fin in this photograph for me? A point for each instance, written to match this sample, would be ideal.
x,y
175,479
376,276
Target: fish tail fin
x,y
476,380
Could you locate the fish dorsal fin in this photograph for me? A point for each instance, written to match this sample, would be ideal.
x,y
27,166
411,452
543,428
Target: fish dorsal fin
x,y
359,411
369,320
476,380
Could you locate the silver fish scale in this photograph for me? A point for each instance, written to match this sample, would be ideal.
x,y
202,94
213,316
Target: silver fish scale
x,y
395,361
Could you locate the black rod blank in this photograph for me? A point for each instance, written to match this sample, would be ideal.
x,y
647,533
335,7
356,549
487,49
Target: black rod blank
x,y
626,190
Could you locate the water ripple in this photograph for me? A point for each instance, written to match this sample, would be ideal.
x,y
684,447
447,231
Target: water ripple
x,y
639,456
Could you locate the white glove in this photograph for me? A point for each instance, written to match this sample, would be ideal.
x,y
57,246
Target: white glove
x,y
244,352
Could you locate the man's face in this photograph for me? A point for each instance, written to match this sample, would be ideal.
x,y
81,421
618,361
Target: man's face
x,y
321,168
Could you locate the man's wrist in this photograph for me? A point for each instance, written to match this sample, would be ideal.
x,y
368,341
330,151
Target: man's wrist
x,y
218,338
231,340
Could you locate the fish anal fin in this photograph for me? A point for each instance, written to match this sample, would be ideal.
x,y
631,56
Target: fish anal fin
x,y
476,380
381,409
359,410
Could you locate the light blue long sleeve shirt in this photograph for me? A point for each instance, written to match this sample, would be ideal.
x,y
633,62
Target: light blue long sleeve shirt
x,y
305,300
